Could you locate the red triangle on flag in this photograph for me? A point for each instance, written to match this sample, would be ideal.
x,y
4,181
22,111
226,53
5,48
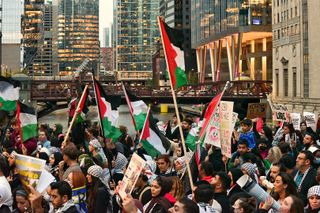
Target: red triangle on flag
x,y
146,129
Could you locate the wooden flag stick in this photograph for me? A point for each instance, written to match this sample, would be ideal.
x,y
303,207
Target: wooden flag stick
x,y
176,108
75,115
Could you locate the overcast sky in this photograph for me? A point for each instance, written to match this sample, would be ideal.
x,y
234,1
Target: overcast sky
x,y
106,16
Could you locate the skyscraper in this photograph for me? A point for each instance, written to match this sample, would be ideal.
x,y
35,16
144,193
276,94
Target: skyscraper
x,y
78,36
32,35
11,35
106,37
136,34
39,29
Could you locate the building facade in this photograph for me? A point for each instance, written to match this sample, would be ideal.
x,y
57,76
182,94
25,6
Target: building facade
x,y
233,39
11,36
136,33
106,54
295,63
78,35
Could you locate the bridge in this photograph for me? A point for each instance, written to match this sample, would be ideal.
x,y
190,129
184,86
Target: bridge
x,y
62,90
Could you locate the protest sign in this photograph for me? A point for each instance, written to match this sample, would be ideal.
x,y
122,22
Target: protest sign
x,y
295,120
131,176
226,128
280,112
311,120
256,110
29,169
213,131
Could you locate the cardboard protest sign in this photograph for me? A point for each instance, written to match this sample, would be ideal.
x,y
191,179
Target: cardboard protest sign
x,y
311,120
295,120
131,176
29,169
256,110
226,128
213,131
280,112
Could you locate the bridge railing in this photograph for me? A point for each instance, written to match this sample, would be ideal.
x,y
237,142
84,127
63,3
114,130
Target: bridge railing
x,y
63,90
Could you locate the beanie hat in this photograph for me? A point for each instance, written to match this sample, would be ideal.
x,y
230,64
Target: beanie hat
x,y
315,190
95,171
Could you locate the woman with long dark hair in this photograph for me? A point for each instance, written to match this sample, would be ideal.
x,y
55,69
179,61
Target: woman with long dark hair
x,y
313,200
99,197
284,186
159,204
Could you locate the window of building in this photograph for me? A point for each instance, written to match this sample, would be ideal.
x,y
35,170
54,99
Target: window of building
x,y
294,82
285,82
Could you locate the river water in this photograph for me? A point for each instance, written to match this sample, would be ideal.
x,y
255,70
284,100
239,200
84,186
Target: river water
x,y
61,116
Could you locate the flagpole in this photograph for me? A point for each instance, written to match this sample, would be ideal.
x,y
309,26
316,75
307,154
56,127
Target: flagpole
x,y
75,115
97,101
176,108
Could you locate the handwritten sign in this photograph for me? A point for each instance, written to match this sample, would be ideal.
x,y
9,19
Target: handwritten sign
x,y
213,130
256,110
295,120
226,128
311,120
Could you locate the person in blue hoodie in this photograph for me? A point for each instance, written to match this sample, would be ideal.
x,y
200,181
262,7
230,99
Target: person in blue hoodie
x,y
247,133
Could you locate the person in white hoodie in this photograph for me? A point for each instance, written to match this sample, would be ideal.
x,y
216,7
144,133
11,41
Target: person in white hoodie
x,y
5,189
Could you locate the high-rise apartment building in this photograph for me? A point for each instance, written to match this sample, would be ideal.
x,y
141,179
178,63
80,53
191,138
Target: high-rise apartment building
x,y
233,39
136,34
11,36
78,34
32,29
296,53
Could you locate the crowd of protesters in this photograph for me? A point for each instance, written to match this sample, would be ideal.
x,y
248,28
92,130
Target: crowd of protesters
x,y
282,160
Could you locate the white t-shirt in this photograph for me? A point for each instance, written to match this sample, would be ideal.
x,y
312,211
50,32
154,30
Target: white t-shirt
x,y
5,192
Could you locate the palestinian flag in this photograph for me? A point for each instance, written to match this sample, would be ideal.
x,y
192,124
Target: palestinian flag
x,y
192,138
172,41
83,108
138,109
27,121
108,112
9,94
209,113
153,141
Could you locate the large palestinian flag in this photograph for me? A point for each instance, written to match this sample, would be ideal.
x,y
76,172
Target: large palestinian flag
x,y
172,40
138,109
27,121
9,94
153,141
108,112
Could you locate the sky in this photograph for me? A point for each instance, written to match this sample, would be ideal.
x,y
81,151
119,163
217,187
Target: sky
x,y
106,16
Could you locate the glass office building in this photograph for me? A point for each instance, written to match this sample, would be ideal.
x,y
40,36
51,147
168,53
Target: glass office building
x,y
11,35
78,34
233,38
136,34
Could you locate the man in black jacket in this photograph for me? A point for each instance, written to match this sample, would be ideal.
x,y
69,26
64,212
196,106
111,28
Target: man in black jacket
x,y
221,183
305,177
